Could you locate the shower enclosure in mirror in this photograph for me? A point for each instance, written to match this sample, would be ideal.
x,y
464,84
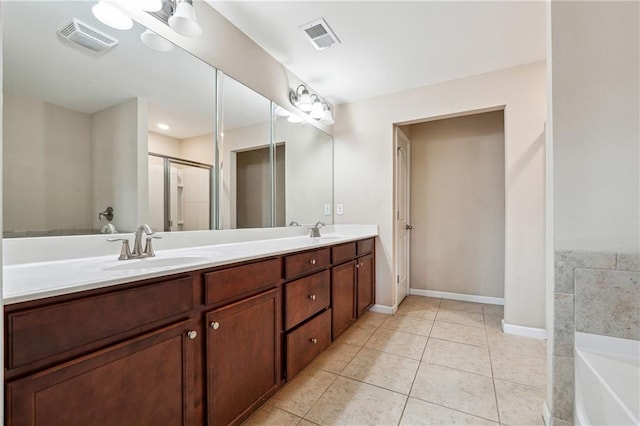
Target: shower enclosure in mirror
x,y
179,194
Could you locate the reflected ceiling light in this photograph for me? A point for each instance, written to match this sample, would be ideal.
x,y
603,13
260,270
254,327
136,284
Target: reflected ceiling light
x,y
294,118
317,110
281,112
155,42
328,115
110,15
184,21
163,126
150,5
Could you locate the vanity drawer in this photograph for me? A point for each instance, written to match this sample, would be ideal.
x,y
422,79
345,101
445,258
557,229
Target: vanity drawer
x,y
307,342
343,253
306,296
232,283
310,261
365,246
58,331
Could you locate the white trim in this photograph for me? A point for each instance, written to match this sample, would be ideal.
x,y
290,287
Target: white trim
x,y
383,309
457,296
546,414
519,330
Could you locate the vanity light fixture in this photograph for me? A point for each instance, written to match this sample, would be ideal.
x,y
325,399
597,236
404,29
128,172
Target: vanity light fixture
x,y
301,98
111,16
295,119
311,104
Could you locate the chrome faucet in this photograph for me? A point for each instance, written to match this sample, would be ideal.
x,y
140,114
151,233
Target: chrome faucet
x,y
315,229
137,253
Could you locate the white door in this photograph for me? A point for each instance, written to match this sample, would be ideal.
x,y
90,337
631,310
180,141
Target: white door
x,y
403,224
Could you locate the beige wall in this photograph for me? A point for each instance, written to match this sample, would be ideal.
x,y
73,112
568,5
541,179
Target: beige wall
x,y
364,172
47,166
309,166
164,145
199,149
457,205
595,125
120,163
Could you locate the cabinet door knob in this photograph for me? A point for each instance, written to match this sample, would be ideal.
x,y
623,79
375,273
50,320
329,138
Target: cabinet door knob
x,y
312,297
192,334
215,325
314,340
357,265
312,261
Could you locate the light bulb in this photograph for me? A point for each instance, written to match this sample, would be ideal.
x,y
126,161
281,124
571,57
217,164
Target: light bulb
x,y
317,111
184,21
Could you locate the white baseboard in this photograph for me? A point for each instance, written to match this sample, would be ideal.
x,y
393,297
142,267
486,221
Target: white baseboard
x,y
457,296
383,309
546,414
519,330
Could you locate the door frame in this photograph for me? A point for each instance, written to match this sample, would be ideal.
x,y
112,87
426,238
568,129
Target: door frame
x,y
398,133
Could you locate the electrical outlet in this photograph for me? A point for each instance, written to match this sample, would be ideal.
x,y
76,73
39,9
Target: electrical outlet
x,y
339,208
327,209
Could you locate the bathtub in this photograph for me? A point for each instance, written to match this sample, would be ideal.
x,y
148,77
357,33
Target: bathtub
x,y
607,381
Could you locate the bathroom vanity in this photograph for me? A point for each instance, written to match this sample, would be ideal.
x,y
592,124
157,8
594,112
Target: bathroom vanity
x,y
192,345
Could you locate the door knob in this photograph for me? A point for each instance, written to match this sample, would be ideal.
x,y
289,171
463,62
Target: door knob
x,y
408,227
192,334
312,297
215,325
314,340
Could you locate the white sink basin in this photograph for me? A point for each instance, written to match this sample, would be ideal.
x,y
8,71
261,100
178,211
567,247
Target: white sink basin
x,y
154,262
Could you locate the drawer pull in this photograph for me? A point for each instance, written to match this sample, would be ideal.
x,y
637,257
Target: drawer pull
x,y
312,261
314,340
192,334
215,325
313,297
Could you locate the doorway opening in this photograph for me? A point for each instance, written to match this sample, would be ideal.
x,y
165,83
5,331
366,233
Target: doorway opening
x,y
455,189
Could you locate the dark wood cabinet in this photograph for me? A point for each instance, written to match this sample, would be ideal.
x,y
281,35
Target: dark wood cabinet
x,y
343,297
148,380
201,347
365,284
243,357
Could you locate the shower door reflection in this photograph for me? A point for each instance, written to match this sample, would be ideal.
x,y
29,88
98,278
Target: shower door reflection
x,y
179,194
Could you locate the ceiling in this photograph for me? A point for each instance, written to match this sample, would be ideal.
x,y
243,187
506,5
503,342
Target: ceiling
x,y
390,46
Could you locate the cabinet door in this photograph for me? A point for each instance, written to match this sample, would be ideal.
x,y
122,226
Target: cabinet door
x,y
366,284
343,297
243,356
144,381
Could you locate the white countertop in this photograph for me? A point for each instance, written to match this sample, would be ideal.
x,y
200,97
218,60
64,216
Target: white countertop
x,y
36,280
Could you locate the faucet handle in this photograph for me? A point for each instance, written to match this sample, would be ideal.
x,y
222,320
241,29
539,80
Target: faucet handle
x,y
125,252
148,248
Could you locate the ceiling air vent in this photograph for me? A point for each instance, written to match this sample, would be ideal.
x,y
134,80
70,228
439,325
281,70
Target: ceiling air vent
x,y
88,37
320,34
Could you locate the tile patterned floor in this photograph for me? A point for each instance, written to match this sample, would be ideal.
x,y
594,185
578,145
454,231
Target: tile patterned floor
x,y
435,362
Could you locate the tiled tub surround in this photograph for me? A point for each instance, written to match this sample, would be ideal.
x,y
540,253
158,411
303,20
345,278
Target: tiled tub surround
x,y
596,293
34,268
435,361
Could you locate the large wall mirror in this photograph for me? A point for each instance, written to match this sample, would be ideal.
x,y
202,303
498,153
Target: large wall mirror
x,y
135,129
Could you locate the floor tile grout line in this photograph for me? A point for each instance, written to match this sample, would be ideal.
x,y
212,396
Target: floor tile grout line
x,y
454,409
493,377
